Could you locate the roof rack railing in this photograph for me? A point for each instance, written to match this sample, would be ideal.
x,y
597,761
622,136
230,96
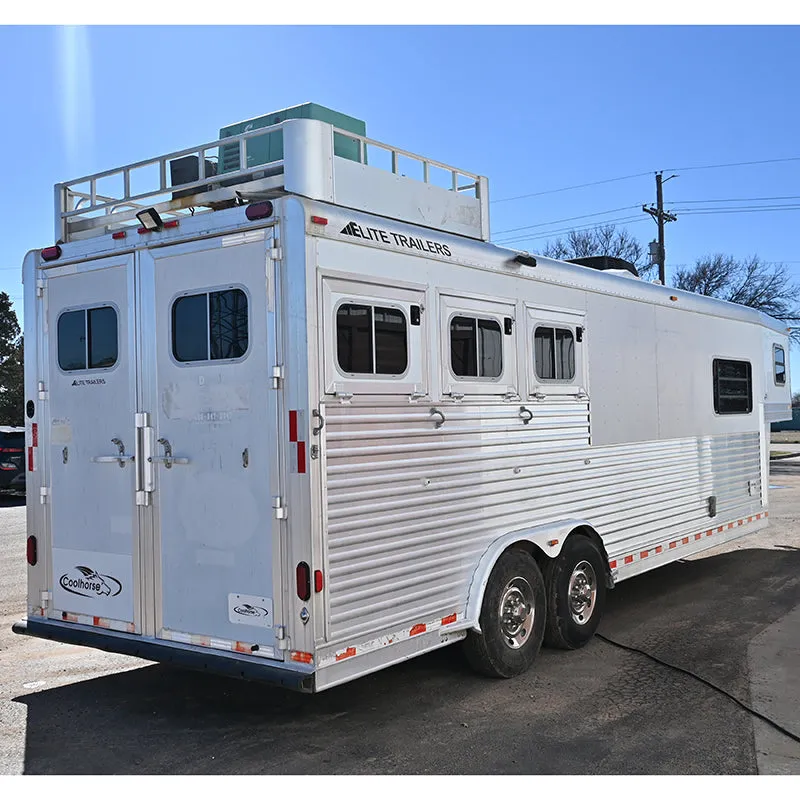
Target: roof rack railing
x,y
309,165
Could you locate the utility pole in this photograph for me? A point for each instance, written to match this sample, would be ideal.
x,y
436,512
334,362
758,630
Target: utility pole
x,y
661,216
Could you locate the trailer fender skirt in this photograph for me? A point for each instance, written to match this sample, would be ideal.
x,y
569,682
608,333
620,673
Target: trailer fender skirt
x,y
237,666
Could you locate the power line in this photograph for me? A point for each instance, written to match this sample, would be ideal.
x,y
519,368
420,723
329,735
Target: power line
x,y
743,210
567,219
735,164
538,235
569,188
742,199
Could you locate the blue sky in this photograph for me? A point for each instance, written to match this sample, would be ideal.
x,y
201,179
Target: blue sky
x,y
533,108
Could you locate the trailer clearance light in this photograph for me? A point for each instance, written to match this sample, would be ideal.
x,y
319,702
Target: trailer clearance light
x,y
173,223
51,253
150,220
318,580
119,235
319,220
303,581
259,210
32,553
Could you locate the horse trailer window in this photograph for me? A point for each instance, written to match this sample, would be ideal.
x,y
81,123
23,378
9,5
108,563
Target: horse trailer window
x,y
733,387
371,340
780,366
476,347
554,354
210,326
87,339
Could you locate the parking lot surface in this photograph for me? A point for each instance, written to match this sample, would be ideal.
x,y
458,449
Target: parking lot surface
x,y
726,615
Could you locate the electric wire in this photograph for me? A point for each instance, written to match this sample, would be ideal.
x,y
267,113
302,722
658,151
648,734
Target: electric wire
x,y
557,232
702,680
733,164
570,188
568,219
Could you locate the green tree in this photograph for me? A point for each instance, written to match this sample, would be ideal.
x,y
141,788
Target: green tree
x,y
12,383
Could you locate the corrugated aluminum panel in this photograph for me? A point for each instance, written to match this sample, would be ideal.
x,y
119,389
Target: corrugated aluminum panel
x,y
411,508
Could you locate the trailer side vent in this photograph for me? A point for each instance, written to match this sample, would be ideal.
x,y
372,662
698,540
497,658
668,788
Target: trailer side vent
x,y
603,263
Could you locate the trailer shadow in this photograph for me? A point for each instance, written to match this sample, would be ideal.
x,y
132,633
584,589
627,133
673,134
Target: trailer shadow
x,y
597,710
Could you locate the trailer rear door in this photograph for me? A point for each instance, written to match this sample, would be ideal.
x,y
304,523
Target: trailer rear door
x,y
94,522
208,336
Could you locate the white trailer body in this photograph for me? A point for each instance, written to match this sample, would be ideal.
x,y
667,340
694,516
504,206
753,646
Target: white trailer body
x,y
290,439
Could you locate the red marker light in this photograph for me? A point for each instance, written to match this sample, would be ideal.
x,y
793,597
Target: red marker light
x,y
143,230
258,210
173,223
319,220
318,580
51,253
119,235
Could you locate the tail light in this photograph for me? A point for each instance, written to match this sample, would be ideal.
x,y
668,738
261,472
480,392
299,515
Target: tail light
x,y
32,551
303,574
318,583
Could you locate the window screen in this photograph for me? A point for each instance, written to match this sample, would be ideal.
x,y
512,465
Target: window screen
x,y
476,347
210,326
371,340
780,366
87,339
554,354
733,387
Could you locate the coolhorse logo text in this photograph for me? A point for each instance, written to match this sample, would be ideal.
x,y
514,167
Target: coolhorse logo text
x,y
86,582
387,237
246,610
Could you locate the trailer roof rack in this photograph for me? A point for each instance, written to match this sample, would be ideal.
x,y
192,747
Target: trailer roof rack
x,y
377,177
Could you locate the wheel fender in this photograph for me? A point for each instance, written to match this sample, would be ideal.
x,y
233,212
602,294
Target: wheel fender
x,y
548,538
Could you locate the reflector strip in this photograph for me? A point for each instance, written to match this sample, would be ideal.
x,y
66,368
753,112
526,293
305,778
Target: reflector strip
x,y
30,459
301,657
629,559
383,641
35,434
301,457
292,426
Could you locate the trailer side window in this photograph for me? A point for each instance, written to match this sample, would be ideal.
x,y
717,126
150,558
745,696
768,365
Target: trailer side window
x,y
733,387
476,347
210,326
371,340
780,365
87,339
554,353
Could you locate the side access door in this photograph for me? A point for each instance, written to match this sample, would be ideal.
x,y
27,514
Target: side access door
x,y
91,385
209,343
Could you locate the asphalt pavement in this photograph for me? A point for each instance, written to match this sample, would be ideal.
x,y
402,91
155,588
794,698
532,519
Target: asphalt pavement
x,y
730,615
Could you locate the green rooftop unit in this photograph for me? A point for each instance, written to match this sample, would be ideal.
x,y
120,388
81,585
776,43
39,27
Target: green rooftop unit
x,y
269,147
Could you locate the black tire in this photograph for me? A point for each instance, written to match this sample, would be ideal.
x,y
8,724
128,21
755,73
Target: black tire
x,y
506,649
563,630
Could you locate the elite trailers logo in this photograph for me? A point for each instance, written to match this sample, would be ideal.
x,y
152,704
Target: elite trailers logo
x,y
398,239
86,582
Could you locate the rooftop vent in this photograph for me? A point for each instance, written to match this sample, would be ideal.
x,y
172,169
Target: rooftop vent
x,y
605,263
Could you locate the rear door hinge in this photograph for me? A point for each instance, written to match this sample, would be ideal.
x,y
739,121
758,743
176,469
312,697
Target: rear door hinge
x,y
46,596
281,639
275,250
44,493
281,512
40,287
277,376
42,391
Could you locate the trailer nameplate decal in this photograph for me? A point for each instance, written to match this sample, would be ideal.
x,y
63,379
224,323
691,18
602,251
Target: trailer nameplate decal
x,y
245,609
89,382
400,240
87,582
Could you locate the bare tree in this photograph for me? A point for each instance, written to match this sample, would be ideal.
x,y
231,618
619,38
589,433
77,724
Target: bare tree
x,y
749,282
604,240
796,400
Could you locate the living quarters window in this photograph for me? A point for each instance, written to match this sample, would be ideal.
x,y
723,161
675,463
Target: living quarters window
x,y
733,387
87,339
554,353
780,365
476,347
210,326
371,340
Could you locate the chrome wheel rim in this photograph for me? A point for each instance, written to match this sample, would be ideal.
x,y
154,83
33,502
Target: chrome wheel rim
x,y
582,592
516,612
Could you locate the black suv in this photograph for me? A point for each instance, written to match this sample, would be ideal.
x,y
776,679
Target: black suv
x,y
12,459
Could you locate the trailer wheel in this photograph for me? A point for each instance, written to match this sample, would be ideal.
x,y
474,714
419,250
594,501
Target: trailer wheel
x,y
512,618
576,594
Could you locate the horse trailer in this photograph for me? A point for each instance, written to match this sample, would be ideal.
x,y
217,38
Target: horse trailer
x,y
298,419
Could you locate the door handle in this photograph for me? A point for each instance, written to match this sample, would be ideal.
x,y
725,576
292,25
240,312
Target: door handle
x,y
525,414
120,458
168,459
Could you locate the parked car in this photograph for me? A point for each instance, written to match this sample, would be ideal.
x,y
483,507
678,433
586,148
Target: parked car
x,y
12,459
